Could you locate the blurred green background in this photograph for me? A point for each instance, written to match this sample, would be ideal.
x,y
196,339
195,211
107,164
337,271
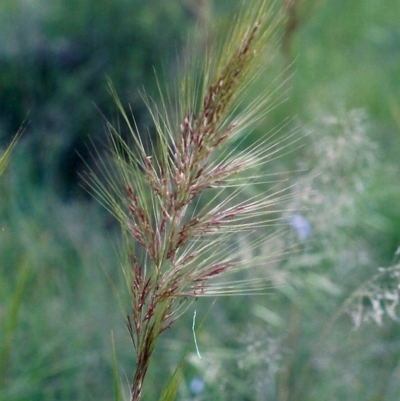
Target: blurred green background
x,y
57,245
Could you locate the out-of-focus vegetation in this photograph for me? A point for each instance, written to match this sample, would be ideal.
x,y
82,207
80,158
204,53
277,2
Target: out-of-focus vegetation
x,y
298,342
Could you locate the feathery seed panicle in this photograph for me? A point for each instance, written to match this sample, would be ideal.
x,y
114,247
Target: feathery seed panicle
x,y
177,239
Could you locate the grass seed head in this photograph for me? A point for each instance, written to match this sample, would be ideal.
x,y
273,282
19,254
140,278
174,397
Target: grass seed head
x,y
182,207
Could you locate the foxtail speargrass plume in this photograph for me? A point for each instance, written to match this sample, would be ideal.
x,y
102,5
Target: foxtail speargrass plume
x,y
183,206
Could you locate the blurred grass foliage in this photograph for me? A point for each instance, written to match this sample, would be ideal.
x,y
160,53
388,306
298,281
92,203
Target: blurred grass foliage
x,y
54,59
56,246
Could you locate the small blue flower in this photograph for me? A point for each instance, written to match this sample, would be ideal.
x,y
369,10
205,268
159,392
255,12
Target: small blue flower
x,y
301,225
196,385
